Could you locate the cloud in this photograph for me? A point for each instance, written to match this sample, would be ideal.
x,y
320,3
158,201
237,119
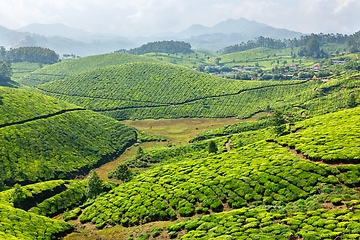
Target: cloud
x,y
146,17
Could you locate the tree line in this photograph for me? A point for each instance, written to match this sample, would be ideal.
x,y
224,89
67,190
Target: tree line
x,y
29,54
290,43
170,47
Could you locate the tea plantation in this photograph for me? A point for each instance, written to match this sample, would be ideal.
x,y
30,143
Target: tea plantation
x,y
292,174
41,140
151,90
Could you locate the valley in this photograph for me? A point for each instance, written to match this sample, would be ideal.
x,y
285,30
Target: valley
x,y
160,144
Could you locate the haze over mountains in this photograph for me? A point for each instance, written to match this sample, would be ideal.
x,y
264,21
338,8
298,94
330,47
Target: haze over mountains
x,y
67,40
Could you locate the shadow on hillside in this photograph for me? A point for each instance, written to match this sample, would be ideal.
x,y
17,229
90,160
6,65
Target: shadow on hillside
x,y
6,82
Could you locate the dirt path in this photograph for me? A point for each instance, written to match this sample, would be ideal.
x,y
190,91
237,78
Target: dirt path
x,y
302,156
227,145
41,117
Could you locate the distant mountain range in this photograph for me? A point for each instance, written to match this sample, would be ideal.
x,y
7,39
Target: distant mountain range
x,y
64,39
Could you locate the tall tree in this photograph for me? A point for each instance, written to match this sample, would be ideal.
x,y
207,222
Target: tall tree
x,y
212,148
2,53
122,172
94,185
312,47
278,120
352,100
139,152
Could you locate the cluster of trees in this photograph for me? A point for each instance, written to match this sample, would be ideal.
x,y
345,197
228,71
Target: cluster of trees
x,y
287,43
29,54
312,49
170,47
353,42
5,70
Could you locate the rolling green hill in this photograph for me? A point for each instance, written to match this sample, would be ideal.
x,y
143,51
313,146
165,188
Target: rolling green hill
x,y
71,67
151,90
265,57
42,138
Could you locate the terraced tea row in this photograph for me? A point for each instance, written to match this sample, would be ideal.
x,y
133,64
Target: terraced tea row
x,y
331,138
150,82
18,105
257,174
258,223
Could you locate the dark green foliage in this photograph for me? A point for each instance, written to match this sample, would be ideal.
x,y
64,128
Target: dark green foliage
x,y
162,47
312,47
139,152
287,43
352,101
19,195
212,148
74,195
353,42
278,121
32,54
122,172
94,185
5,70
277,118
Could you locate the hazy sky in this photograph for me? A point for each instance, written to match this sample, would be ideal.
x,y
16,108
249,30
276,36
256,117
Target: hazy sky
x,y
147,17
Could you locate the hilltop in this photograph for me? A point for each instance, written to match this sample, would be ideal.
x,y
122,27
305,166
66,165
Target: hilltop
x,y
43,138
75,66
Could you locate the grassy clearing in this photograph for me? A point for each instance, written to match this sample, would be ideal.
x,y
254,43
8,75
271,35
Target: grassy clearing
x,y
176,131
104,169
181,130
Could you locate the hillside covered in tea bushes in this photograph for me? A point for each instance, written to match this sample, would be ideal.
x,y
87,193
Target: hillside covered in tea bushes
x,y
291,174
42,138
152,90
261,189
75,66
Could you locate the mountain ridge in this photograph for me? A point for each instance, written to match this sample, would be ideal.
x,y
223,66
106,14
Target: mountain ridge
x,y
65,39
